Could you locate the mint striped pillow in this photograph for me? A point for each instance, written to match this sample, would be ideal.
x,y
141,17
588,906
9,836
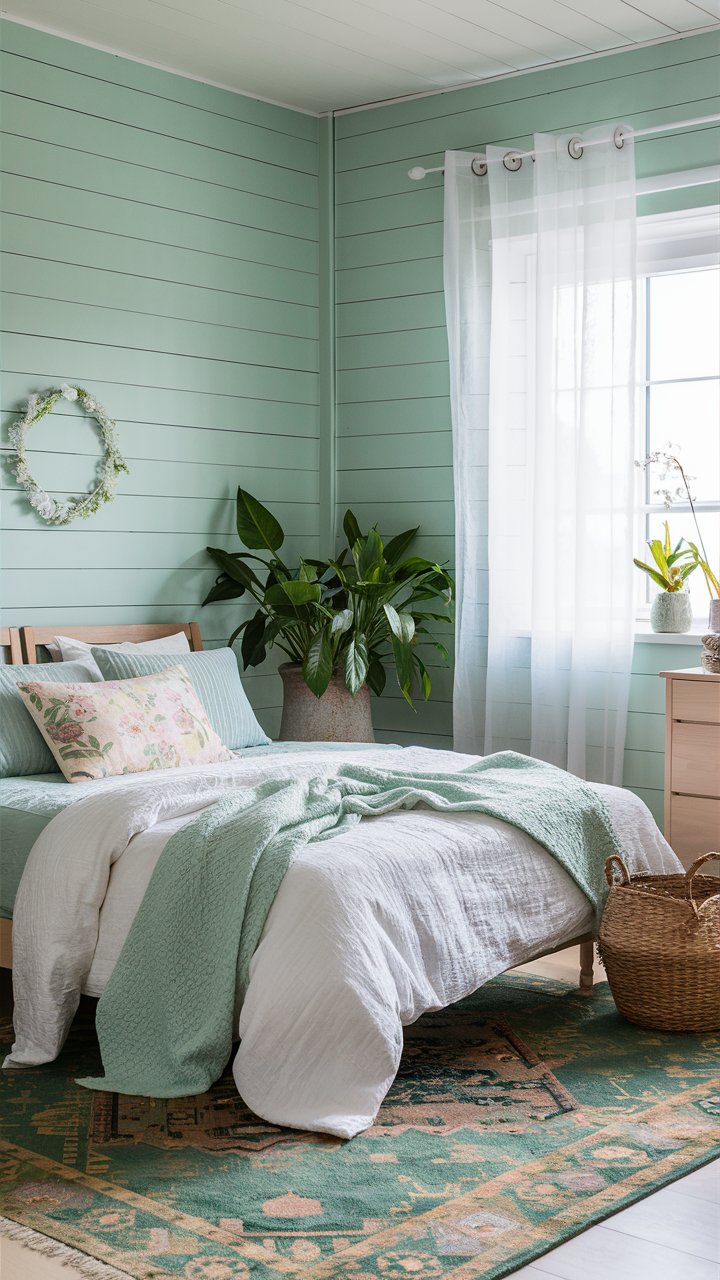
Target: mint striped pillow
x,y
22,748
217,683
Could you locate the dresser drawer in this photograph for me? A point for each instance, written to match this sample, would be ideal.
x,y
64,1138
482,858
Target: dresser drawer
x,y
694,827
695,759
696,700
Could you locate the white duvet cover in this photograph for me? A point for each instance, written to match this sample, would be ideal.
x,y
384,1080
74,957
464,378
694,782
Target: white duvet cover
x,y
399,915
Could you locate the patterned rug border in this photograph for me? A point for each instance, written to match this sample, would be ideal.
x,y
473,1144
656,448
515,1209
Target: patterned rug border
x,y
333,1268
88,1266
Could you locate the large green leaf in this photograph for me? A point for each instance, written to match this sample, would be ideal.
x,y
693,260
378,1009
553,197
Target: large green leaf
x,y
293,593
234,568
662,582
403,656
238,632
351,529
356,663
342,622
254,642
397,546
376,675
402,625
368,554
317,667
256,526
224,589
658,555
422,671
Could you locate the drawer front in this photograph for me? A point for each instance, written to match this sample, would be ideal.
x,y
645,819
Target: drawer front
x,y
696,700
694,827
695,760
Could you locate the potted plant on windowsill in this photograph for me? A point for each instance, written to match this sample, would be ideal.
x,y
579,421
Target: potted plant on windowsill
x,y
693,554
671,610
340,621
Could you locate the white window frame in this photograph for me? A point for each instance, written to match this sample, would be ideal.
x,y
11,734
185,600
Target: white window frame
x,y
674,242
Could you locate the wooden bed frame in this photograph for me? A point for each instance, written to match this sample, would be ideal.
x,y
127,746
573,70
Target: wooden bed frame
x,y
23,646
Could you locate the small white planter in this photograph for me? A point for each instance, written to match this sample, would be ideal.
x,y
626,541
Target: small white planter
x,y
671,611
714,623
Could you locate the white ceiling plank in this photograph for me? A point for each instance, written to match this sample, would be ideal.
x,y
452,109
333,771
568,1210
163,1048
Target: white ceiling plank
x,y
711,8
429,17
590,27
631,22
321,55
533,34
681,15
390,32
385,45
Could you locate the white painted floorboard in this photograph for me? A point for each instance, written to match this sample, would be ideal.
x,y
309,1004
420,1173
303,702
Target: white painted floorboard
x,y
671,1235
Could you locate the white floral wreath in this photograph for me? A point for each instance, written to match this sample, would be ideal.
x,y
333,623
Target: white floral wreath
x,y
111,466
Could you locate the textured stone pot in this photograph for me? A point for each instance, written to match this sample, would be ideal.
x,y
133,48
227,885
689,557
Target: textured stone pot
x,y
671,611
714,623
335,717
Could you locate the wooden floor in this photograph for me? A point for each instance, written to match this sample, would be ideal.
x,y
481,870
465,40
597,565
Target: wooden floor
x,y
672,1235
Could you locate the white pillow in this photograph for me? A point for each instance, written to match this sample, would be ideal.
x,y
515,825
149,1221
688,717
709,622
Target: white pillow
x,y
63,646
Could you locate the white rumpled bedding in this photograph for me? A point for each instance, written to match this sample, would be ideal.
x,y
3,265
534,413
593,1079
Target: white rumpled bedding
x,y
401,914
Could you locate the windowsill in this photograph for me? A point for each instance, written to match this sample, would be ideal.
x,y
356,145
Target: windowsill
x,y
645,635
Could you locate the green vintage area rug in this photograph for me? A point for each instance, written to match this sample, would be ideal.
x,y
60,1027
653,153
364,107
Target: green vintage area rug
x,y
519,1117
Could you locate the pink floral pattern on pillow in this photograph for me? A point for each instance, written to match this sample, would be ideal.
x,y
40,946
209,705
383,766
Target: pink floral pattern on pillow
x,y
124,726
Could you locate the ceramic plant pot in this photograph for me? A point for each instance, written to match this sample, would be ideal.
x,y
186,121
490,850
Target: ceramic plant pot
x,y
335,717
714,623
671,611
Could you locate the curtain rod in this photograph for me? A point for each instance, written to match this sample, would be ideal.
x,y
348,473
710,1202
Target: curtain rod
x,y
513,159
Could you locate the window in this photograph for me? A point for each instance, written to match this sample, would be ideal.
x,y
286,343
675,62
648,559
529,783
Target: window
x,y
680,403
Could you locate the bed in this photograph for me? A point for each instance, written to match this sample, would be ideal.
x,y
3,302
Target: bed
x,y
335,977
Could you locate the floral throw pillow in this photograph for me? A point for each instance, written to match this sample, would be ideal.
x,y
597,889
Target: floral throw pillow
x,y
124,726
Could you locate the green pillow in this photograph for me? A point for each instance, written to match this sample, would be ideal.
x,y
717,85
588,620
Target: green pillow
x,y
22,749
217,683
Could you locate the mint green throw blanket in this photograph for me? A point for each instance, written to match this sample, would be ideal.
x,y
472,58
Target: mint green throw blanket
x,y
165,1020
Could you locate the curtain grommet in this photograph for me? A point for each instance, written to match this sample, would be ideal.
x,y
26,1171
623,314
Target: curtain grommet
x,y
575,148
619,137
512,160
478,164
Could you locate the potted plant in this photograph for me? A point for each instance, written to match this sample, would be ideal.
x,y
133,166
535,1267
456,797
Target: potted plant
x,y
341,622
695,551
671,610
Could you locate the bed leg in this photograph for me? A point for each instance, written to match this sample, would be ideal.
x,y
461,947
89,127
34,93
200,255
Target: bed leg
x,y
587,956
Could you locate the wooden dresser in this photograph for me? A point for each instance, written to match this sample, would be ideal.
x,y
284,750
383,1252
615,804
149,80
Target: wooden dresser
x,y
692,762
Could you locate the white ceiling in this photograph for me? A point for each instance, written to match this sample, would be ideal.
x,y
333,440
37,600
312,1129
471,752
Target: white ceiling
x,y
320,55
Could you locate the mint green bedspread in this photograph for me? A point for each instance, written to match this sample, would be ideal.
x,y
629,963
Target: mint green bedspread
x,y
165,1019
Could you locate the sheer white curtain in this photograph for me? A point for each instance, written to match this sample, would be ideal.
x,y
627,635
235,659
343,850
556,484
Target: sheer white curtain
x,y
558,369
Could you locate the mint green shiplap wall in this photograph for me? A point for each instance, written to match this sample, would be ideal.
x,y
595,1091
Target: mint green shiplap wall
x,y
160,247
394,445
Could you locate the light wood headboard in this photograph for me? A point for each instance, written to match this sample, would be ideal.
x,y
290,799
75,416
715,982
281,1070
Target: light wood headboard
x,y
10,644
122,633
22,646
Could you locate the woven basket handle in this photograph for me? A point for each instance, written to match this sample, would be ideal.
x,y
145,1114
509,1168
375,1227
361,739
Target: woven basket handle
x,y
615,862
690,875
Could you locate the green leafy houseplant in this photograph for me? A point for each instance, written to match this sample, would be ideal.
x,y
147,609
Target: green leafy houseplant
x,y
352,615
673,564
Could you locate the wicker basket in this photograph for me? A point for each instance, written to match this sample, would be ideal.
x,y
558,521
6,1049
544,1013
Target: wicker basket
x,y
660,945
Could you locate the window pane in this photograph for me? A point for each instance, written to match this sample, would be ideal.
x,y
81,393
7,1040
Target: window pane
x,y
682,526
685,324
688,414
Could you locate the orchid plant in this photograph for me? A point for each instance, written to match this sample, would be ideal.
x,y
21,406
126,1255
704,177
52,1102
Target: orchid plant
x,y
675,565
